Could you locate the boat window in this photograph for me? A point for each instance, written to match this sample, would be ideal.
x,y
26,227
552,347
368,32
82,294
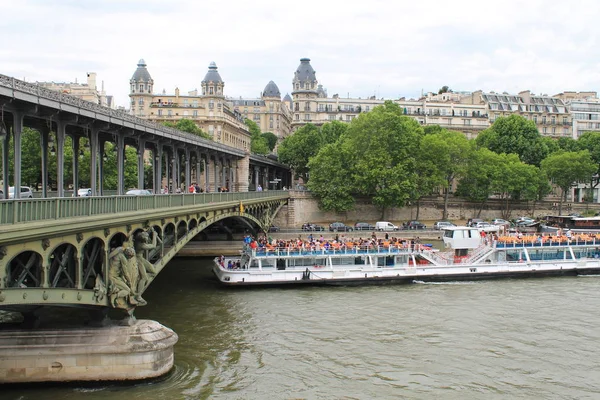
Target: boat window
x,y
254,263
344,261
358,260
268,262
401,260
458,234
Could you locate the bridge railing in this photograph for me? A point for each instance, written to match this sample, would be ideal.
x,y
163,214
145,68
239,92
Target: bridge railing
x,y
32,210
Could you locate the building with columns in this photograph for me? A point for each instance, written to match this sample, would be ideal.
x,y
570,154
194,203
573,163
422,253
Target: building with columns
x,y
210,110
86,91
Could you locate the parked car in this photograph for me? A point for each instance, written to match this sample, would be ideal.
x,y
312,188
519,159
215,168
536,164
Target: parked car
x,y
363,226
138,192
474,221
385,226
501,222
340,227
83,192
26,192
414,225
487,227
312,227
274,228
442,224
524,221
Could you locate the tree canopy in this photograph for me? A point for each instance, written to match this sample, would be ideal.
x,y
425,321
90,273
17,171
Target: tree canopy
x,y
258,143
516,135
187,125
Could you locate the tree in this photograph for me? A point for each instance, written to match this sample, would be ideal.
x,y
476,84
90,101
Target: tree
x,y
484,170
331,182
432,129
296,150
568,167
258,144
444,89
384,144
591,141
517,135
445,156
332,131
519,181
187,125
271,139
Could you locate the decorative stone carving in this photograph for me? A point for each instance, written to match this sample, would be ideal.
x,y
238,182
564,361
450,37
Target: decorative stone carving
x,y
3,252
128,227
79,237
142,243
45,244
122,277
106,232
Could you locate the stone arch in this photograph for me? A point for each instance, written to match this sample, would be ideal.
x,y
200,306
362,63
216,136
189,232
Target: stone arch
x,y
92,262
117,240
24,270
192,224
63,266
169,235
182,230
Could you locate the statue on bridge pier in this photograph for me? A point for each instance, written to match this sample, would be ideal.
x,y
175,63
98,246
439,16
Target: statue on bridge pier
x,y
143,243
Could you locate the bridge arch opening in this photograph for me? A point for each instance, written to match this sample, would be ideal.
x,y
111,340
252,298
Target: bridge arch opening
x,y
169,235
24,270
182,230
63,266
192,224
117,240
92,262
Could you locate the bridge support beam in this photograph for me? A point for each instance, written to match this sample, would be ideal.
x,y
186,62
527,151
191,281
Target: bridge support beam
x,y
17,130
140,351
61,127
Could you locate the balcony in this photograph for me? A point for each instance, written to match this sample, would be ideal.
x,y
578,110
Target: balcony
x,y
165,105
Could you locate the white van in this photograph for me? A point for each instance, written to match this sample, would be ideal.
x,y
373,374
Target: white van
x,y
385,226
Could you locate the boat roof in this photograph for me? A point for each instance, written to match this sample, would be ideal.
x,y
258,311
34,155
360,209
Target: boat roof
x,y
458,228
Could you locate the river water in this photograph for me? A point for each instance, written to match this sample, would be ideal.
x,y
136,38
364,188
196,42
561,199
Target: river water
x,y
532,339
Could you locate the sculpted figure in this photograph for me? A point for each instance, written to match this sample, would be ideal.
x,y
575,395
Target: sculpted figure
x,y
119,277
146,270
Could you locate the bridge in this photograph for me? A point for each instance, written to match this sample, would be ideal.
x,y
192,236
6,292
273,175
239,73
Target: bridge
x,y
67,251
175,157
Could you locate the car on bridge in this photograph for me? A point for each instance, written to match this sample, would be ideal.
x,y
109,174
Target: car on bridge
x,y
312,227
26,192
138,192
340,227
274,228
83,192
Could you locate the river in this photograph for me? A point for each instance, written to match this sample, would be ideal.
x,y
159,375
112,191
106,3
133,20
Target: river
x,y
534,339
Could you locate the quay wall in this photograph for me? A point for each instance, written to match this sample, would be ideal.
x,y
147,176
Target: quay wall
x,y
303,207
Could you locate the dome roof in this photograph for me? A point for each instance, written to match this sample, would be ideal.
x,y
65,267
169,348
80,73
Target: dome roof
x,y
305,71
287,97
141,74
271,90
212,75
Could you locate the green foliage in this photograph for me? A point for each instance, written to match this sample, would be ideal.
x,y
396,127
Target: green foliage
x,y
331,181
444,89
187,125
567,168
484,170
444,158
566,144
332,131
296,150
258,143
432,129
515,135
271,139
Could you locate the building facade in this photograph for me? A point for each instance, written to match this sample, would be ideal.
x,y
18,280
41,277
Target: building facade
x,y
86,91
585,111
210,110
269,111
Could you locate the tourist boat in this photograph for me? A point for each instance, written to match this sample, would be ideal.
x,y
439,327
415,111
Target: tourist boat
x,y
468,256
574,223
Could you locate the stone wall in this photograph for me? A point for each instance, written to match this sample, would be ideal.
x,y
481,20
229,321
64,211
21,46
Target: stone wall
x,y
303,208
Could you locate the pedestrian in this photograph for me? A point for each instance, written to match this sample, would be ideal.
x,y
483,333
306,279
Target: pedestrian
x,y
259,188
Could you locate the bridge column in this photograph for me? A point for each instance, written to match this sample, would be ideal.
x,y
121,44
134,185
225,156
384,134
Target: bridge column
x,y
140,165
188,176
5,162
256,182
158,159
44,142
174,166
120,165
94,161
198,169
212,187
266,179
17,130
206,173
223,172
75,142
101,168
61,127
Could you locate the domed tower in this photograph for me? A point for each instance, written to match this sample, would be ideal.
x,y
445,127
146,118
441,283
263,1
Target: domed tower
x,y
212,84
271,90
140,90
304,94
288,100
321,92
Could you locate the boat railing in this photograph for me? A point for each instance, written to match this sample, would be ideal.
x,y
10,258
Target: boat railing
x,y
539,242
356,250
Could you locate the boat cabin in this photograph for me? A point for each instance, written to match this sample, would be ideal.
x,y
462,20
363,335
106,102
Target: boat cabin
x,y
461,237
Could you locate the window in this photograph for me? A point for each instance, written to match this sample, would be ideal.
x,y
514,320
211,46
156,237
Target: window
x,y
271,106
256,110
307,117
565,121
545,130
553,130
185,113
331,117
256,117
553,120
211,90
185,103
141,101
543,119
467,121
211,104
297,117
141,88
170,113
535,119
565,131
159,113
321,107
348,118
271,124
367,108
195,113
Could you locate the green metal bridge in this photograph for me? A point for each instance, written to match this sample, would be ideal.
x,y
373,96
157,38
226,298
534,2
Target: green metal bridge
x,y
72,251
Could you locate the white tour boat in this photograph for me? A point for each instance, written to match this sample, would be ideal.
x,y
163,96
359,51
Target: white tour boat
x,y
469,256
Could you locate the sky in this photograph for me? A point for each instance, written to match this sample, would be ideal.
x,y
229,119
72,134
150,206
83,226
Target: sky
x,y
386,48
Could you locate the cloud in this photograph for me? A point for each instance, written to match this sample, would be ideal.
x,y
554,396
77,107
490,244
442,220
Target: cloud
x,y
380,47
